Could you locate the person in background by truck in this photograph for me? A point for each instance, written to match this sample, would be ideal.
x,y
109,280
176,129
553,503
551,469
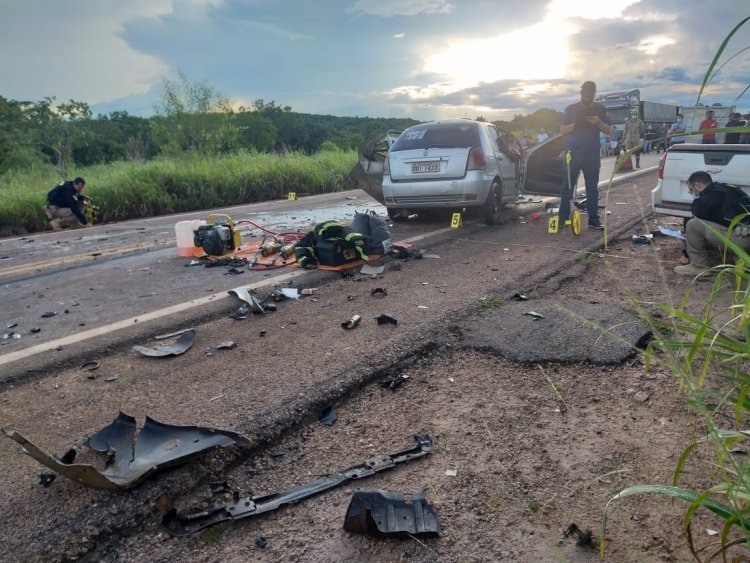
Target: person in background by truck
x,y
709,123
581,124
634,131
715,206
676,136
648,139
735,120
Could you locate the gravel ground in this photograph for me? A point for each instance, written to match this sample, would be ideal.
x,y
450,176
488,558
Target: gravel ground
x,y
521,449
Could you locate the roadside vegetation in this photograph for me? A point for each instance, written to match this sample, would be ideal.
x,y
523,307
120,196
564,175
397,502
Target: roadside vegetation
x,y
708,352
196,152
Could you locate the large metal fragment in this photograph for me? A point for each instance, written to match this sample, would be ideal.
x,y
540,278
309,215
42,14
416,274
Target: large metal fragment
x,y
129,459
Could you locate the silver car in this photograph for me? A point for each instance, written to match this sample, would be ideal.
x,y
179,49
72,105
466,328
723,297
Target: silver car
x,y
452,164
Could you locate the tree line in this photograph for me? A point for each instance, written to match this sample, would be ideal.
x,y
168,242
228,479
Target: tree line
x,y
190,117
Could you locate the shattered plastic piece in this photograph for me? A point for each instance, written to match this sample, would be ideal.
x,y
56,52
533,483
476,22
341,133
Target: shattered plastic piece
x,y
378,292
111,378
394,381
156,447
328,416
290,292
49,314
643,239
370,270
351,323
519,297
179,524
261,542
380,513
451,472
309,291
183,344
383,319
45,479
91,365
241,313
534,314
244,294
226,345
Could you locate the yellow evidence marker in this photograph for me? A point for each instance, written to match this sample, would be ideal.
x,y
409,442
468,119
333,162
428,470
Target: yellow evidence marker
x,y
456,221
553,225
291,196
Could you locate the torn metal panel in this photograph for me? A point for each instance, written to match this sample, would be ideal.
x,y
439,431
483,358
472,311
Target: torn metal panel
x,y
382,513
129,459
179,524
182,345
256,305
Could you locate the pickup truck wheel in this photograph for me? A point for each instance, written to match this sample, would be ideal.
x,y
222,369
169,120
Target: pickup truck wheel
x,y
491,211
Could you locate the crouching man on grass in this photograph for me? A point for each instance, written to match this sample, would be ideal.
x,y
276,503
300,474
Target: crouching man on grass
x,y
714,207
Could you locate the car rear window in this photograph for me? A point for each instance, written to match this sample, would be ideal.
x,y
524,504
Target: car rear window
x,y
438,135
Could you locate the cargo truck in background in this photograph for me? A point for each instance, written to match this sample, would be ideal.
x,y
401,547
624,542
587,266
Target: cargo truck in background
x,y
621,104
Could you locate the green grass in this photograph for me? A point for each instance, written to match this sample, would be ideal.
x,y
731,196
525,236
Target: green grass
x,y
130,190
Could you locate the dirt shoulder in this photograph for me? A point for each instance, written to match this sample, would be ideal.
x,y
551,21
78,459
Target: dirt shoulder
x,y
534,446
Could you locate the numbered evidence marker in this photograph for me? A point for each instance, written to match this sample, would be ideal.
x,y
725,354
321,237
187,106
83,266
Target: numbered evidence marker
x,y
291,196
456,221
553,225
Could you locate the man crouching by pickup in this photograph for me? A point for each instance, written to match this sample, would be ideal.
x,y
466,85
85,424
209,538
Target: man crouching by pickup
x,y
714,207
64,208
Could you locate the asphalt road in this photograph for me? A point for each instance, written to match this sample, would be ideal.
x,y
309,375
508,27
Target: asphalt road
x,y
64,290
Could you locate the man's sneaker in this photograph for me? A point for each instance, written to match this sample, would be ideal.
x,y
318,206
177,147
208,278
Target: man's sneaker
x,y
691,270
596,225
56,224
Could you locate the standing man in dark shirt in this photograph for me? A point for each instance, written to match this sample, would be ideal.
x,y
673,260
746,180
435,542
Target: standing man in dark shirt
x,y
64,206
735,120
714,208
581,124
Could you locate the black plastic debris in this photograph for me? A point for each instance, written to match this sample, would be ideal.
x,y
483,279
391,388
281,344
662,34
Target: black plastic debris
x,y
49,314
328,416
261,542
46,479
381,513
584,538
519,297
394,381
643,239
378,292
234,271
182,345
384,319
226,345
351,323
241,313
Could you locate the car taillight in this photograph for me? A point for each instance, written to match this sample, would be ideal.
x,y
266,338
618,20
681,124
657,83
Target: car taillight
x,y
476,159
663,158
387,166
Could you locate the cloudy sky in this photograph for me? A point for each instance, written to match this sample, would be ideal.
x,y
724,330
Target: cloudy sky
x,y
422,59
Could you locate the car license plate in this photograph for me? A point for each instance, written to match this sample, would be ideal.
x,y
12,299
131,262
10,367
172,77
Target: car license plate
x,y
422,167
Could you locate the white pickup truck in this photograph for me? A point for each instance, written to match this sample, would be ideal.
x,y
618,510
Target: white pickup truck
x,y
729,164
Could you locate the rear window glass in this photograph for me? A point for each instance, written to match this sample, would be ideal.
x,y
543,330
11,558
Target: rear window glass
x,y
453,135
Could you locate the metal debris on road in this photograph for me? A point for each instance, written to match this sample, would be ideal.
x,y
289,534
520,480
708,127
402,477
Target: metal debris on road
x,y
183,344
351,323
133,456
534,314
383,319
381,513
